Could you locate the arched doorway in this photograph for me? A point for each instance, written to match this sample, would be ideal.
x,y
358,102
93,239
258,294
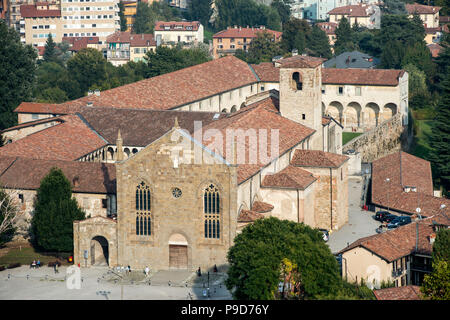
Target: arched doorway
x,y
389,110
335,110
233,109
371,114
99,251
178,252
353,115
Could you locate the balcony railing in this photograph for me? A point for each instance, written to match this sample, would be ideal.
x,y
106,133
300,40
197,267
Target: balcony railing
x,y
118,55
421,267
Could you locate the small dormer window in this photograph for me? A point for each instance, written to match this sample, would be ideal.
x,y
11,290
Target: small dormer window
x,y
296,81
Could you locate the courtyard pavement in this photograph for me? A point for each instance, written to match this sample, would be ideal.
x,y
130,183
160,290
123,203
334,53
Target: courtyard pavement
x,y
98,283
360,222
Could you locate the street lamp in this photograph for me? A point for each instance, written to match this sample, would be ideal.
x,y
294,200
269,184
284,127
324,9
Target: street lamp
x,y
387,180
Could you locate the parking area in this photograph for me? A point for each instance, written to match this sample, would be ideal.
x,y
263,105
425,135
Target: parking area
x,y
360,222
99,283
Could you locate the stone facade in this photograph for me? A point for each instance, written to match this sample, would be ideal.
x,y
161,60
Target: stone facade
x,y
380,141
176,222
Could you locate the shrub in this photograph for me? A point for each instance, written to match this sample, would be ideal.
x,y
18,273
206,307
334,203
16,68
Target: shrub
x,y
14,265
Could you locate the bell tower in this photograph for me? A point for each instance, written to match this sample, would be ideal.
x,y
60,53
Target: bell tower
x,y
301,93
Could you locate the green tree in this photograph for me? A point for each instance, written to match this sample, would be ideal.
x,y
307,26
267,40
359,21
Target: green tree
x,y
200,10
245,13
344,38
87,68
144,18
165,59
419,55
393,7
8,215
53,95
123,19
418,94
258,252
436,285
295,33
283,7
54,213
261,49
318,44
50,49
17,70
441,246
440,137
392,55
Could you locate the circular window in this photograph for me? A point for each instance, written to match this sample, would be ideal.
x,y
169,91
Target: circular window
x,y
176,192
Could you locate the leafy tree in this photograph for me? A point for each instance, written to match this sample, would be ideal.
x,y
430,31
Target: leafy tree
x,y
419,96
17,69
257,255
165,59
436,285
147,15
54,213
87,67
344,38
200,10
245,13
123,19
262,49
318,44
441,246
392,55
283,7
419,55
8,215
50,49
393,7
440,136
295,33
366,41
445,5
53,95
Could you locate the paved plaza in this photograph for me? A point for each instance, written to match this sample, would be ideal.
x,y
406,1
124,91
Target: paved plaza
x,y
100,283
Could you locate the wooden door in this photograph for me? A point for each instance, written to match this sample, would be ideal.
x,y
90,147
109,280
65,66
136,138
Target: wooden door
x,y
178,258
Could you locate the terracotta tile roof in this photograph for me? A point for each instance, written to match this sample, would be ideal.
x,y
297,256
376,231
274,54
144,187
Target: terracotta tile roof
x,y
299,61
67,141
435,49
262,115
291,178
139,128
267,72
88,177
46,108
177,25
444,19
405,170
262,207
169,90
433,30
135,40
78,43
359,10
5,162
416,8
399,293
30,11
33,123
318,159
249,216
328,27
397,243
239,32
380,77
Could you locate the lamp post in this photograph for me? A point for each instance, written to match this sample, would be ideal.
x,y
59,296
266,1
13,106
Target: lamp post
x,y
387,180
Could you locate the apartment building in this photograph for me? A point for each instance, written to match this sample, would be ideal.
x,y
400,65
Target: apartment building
x,y
130,9
174,32
226,42
90,18
364,15
123,47
38,21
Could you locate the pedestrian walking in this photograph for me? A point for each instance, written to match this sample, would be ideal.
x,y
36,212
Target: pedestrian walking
x,y
55,267
147,270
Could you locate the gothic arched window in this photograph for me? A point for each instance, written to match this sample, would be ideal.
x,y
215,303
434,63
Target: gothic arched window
x,y
143,210
211,209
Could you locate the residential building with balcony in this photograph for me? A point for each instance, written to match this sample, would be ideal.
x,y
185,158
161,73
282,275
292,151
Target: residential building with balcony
x,y
38,21
171,33
90,18
226,42
364,15
124,46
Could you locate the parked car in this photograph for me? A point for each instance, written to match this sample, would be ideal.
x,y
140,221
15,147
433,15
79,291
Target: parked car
x,y
326,235
383,215
399,221
389,218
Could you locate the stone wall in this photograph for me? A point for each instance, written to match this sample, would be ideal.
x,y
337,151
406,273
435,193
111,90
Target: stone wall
x,y
380,141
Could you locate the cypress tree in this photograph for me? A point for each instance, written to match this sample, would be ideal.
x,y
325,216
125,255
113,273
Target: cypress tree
x,y
50,49
54,213
344,37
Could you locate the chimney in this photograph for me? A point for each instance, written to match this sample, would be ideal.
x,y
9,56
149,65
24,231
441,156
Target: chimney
x,y
97,92
90,93
89,104
119,147
294,52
